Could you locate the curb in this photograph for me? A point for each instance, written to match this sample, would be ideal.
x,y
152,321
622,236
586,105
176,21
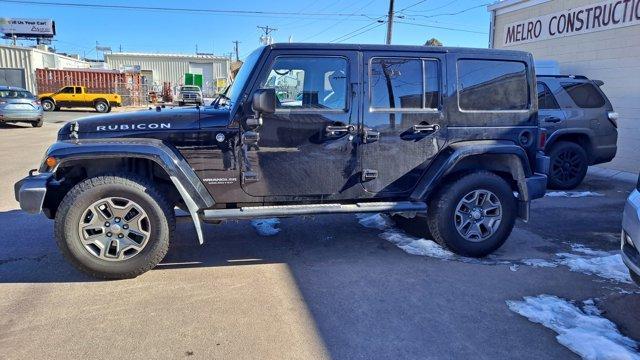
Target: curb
x,y
623,176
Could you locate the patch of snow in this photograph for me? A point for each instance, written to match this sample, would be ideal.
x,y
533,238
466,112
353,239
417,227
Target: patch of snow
x,y
266,227
585,333
572,194
375,221
589,307
514,267
609,267
579,248
416,246
539,263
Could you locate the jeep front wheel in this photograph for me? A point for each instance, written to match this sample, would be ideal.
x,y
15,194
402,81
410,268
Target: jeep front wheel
x,y
101,106
474,215
114,226
48,105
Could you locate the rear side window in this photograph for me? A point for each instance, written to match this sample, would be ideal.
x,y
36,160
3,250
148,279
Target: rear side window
x,y
404,84
585,95
491,85
546,100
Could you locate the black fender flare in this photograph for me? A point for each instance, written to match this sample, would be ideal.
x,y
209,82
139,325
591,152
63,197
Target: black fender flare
x,y
187,183
499,155
590,134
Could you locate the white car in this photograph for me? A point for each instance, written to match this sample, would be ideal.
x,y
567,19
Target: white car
x,y
190,94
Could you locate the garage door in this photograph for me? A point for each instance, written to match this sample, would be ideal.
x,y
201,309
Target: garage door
x,y
12,77
208,82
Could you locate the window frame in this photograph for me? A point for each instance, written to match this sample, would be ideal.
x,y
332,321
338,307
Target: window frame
x,y
553,97
527,76
424,109
279,110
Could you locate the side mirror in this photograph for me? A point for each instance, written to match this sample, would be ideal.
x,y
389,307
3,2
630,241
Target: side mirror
x,y
264,101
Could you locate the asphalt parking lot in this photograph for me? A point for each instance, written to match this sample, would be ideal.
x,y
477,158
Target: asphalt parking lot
x,y
334,286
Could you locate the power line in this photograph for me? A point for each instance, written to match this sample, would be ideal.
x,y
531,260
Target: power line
x,y
435,8
452,13
332,26
346,36
442,27
362,32
192,10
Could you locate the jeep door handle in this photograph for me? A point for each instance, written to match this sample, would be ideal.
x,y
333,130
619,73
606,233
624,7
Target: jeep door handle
x,y
552,119
425,129
338,131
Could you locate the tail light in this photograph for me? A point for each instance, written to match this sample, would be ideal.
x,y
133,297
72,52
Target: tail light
x,y
36,102
613,117
542,139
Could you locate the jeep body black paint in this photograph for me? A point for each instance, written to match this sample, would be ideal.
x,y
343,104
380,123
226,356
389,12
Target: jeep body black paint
x,y
345,136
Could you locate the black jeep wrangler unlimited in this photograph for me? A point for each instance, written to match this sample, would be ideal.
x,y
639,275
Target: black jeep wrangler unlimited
x,y
448,137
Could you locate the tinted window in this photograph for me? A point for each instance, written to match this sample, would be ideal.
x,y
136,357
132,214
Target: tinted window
x,y
67,90
16,94
309,83
399,83
489,85
585,95
546,100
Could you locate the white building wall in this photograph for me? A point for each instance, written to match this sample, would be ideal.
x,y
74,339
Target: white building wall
x,y
608,55
171,67
29,59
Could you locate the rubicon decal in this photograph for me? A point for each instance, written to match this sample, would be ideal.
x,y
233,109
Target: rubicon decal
x,y
143,126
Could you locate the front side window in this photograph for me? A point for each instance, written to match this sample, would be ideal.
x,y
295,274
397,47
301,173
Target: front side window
x,y
67,90
585,95
399,83
546,100
490,85
309,83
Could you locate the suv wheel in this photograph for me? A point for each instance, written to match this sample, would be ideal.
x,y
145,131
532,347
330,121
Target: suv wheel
x,y
114,226
38,123
474,215
101,106
48,105
568,165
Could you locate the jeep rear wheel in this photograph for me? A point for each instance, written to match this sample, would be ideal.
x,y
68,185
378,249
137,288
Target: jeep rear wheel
x,y
474,215
114,226
568,165
101,106
48,105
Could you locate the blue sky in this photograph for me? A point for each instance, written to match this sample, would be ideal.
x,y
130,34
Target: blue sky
x,y
454,22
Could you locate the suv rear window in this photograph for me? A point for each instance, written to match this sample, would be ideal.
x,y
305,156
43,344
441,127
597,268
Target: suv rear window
x,y
585,95
492,85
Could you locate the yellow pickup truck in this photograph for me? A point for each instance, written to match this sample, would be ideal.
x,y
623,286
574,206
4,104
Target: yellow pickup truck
x,y
77,96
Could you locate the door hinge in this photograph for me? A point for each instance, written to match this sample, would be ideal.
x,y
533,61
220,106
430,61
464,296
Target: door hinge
x,y
249,177
368,175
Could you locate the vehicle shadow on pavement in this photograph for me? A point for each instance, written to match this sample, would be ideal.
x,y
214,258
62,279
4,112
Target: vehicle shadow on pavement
x,y
14,126
28,253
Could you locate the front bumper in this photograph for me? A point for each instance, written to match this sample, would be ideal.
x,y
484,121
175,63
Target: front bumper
x,y
631,232
31,190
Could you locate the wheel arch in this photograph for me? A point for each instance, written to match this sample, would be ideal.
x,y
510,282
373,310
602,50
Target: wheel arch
x,y
582,137
152,159
504,158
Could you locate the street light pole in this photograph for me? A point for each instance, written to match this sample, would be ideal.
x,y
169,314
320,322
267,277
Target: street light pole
x,y
390,23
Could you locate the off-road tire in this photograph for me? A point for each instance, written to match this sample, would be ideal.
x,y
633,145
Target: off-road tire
x,y
101,106
442,208
38,123
562,150
133,187
48,105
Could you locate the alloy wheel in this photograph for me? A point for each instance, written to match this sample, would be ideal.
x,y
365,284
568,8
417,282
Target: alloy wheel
x,y
566,166
114,229
478,215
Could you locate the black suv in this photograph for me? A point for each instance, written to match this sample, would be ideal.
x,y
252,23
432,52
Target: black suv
x,y
581,126
448,134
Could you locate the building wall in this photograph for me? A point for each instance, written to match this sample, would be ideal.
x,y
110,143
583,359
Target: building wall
x,y
29,59
609,55
171,68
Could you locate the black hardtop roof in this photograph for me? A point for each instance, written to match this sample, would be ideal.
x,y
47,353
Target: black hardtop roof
x,y
413,48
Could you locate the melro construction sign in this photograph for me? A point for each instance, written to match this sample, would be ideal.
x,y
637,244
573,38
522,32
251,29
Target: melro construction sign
x,y
597,17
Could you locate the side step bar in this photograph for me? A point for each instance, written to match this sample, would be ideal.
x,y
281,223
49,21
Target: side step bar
x,y
288,210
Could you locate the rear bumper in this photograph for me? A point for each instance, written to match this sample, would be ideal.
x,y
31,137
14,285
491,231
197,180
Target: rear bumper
x,y
31,190
537,183
604,153
34,115
631,233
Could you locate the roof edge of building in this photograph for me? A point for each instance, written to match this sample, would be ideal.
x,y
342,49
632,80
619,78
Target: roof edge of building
x,y
189,56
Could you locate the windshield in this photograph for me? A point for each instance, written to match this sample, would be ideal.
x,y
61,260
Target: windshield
x,y
243,75
16,94
189,88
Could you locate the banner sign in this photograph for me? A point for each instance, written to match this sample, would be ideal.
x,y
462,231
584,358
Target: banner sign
x,y
27,27
582,20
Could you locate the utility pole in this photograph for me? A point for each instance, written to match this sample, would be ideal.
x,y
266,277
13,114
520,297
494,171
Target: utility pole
x,y
266,38
235,43
390,22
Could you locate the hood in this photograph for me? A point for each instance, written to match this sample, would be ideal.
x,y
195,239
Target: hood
x,y
143,123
